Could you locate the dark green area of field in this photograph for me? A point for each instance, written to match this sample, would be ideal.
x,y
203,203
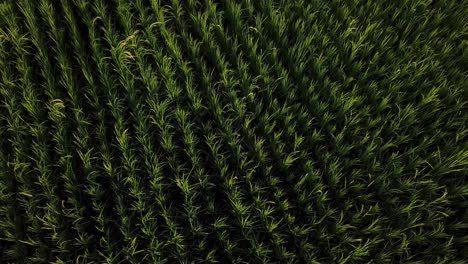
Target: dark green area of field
x,y
250,131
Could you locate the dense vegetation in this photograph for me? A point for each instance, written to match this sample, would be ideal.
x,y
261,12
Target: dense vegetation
x,y
203,131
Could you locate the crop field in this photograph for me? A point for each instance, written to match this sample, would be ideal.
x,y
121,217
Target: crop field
x,y
233,131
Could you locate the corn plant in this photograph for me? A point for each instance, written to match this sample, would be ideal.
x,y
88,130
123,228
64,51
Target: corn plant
x,y
203,131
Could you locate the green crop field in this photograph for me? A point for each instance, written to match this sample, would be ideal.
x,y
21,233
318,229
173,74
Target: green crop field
x,y
234,131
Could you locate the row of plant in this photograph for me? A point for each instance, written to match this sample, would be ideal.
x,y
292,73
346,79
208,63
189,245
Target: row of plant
x,y
153,131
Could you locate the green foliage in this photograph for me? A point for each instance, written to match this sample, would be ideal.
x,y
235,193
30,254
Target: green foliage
x,y
205,131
